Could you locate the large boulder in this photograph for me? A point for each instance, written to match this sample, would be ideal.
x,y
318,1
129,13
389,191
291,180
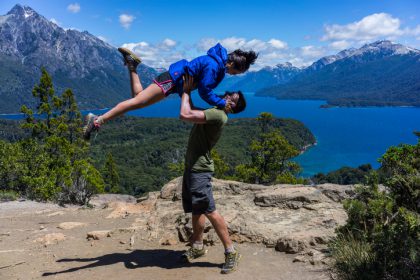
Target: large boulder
x,y
289,218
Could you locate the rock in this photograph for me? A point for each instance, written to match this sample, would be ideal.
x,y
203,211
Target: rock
x,y
168,240
58,213
123,242
290,246
172,190
289,198
289,218
337,194
98,234
300,258
102,200
51,238
132,241
143,198
70,225
125,230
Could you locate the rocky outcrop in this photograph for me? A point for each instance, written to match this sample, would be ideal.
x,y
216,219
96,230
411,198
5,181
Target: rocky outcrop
x,y
290,218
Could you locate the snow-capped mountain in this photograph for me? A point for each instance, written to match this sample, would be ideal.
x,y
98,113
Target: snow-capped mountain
x,y
76,60
380,73
265,77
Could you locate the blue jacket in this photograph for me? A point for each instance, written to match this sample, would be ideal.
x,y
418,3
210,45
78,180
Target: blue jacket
x,y
208,71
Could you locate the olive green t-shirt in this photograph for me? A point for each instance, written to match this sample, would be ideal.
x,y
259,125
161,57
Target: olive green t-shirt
x,y
202,139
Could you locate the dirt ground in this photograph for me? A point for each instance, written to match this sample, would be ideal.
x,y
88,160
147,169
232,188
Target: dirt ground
x,y
75,257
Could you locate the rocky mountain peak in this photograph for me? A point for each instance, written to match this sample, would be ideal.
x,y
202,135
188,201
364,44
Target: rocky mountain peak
x,y
22,11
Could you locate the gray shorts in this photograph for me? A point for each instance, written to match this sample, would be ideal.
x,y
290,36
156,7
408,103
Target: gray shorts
x,y
197,194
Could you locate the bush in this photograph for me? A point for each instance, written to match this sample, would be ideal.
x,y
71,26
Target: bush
x,y
8,195
384,223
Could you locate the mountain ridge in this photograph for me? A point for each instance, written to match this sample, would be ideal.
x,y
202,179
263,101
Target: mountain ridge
x,y
382,73
92,68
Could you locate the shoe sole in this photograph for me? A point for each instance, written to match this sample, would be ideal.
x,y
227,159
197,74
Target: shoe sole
x,y
125,51
89,123
234,268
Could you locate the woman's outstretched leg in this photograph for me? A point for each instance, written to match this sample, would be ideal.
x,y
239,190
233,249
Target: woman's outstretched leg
x,y
149,96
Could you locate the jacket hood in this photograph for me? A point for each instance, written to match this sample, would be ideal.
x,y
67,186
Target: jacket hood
x,y
219,53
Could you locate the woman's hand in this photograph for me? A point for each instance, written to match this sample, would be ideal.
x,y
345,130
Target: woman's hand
x,y
188,83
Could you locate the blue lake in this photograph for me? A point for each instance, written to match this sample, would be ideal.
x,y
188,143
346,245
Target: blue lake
x,y
345,136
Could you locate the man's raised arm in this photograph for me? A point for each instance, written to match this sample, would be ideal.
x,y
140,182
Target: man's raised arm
x,y
188,113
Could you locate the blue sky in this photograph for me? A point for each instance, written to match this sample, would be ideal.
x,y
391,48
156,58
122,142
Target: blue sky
x,y
163,31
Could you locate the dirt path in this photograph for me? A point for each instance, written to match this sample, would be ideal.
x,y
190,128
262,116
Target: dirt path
x,y
21,257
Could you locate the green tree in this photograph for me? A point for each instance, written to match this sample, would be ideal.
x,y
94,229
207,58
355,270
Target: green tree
x,y
270,157
220,166
58,166
110,175
383,227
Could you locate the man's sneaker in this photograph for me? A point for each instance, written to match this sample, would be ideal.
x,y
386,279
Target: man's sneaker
x,y
90,126
231,262
193,253
130,59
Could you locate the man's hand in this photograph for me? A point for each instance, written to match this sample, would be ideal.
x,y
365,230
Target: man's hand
x,y
188,83
228,106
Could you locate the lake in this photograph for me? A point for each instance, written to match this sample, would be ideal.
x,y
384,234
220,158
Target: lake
x,y
345,136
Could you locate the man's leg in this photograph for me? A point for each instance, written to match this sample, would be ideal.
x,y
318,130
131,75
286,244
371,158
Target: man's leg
x,y
232,256
221,229
198,223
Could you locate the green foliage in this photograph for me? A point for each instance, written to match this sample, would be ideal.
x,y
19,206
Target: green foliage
x,y
344,175
220,166
388,221
270,155
150,151
110,175
8,195
53,163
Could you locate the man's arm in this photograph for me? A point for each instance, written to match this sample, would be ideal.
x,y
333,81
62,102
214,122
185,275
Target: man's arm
x,y
188,112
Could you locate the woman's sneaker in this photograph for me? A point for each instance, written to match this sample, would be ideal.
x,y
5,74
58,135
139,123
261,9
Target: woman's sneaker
x,y
192,253
231,262
90,125
130,59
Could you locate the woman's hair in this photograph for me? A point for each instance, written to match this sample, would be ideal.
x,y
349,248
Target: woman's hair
x,y
240,104
241,59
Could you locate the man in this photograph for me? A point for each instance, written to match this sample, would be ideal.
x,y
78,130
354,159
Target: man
x,y
197,196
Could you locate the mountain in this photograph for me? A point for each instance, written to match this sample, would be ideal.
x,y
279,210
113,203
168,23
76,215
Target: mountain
x,y
89,66
377,74
265,77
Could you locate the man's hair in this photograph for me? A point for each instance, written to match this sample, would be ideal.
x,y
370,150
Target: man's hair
x,y
241,59
240,104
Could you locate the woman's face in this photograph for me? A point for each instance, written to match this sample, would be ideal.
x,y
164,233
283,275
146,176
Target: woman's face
x,y
231,70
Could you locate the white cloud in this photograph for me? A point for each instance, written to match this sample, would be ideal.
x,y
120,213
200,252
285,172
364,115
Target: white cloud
x,y
340,45
126,20
371,27
74,8
312,51
159,55
278,44
271,52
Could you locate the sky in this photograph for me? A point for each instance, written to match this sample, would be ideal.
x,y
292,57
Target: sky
x,y
299,31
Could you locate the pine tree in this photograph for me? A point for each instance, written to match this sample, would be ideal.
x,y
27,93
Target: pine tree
x,y
110,175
